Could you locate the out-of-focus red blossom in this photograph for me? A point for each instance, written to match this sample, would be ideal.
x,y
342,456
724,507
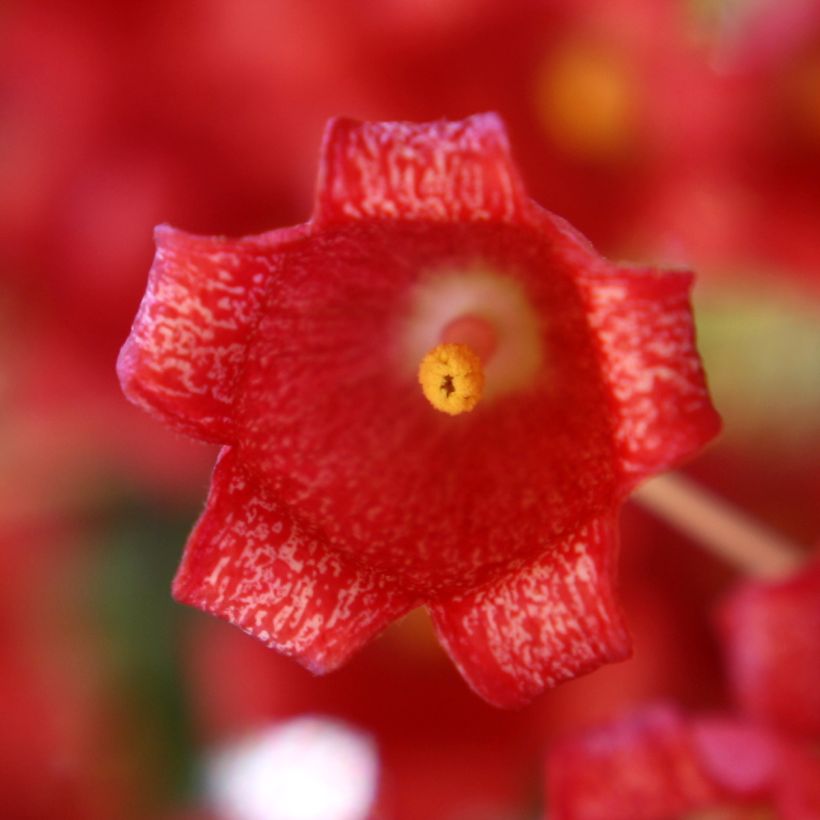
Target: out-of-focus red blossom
x,y
751,203
771,637
299,349
93,156
781,154
659,763
754,34
62,751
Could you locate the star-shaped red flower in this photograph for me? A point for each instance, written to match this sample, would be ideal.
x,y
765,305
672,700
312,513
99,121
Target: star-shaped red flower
x,y
342,499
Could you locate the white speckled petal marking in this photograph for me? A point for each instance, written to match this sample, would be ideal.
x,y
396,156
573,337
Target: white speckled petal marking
x,y
543,624
251,563
437,171
188,344
643,322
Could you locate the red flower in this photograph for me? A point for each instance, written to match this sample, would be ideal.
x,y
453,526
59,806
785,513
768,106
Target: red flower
x,y
750,202
771,635
658,764
341,499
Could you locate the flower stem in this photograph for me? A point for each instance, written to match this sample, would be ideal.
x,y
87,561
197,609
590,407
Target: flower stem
x,y
721,528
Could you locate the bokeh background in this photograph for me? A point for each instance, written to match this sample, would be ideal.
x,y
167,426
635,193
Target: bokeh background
x,y
676,132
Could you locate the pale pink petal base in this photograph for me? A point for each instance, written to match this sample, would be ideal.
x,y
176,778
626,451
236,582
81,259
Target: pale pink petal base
x,y
251,563
543,624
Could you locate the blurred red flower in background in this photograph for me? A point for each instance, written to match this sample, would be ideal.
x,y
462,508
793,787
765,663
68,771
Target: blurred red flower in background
x,y
748,205
770,633
659,763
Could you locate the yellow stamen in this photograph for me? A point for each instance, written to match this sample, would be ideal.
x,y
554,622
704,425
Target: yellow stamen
x,y
452,378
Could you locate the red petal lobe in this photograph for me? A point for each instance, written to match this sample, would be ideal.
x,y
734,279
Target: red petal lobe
x,y
643,323
251,563
187,346
538,626
438,171
770,633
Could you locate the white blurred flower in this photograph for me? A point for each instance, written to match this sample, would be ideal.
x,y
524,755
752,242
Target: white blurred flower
x,y
308,768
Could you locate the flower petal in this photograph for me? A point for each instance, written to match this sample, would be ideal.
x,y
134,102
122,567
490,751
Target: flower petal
x,y
657,762
250,562
743,759
643,323
543,624
434,171
798,795
770,635
187,346
641,767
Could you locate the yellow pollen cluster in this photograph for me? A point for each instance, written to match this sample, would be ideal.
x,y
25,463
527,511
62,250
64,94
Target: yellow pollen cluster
x,y
452,378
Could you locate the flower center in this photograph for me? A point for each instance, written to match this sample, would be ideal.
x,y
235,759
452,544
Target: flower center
x,y
452,378
487,313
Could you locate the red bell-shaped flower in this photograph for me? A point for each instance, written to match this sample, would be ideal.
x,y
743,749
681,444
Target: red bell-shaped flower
x,y
659,763
342,498
771,637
